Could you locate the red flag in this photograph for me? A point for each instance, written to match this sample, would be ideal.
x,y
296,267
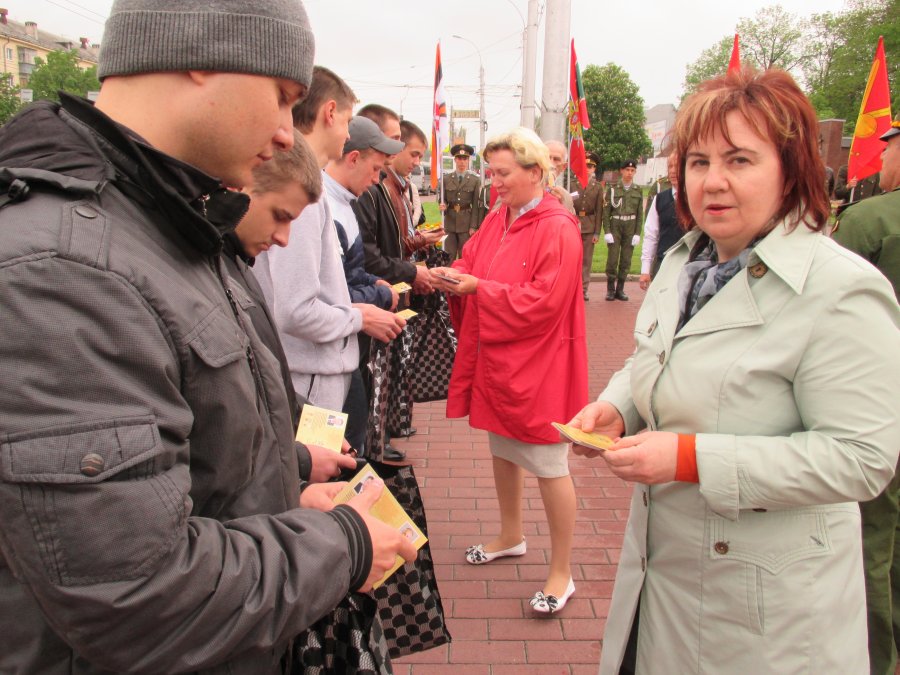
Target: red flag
x,y
439,130
576,90
578,121
874,120
734,64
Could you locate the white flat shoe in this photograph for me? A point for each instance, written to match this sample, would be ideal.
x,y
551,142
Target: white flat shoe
x,y
548,604
476,555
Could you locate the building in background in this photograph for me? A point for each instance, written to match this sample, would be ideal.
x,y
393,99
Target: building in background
x,y
21,43
658,121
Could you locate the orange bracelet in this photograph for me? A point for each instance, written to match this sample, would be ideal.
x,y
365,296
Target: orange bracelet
x,y
686,464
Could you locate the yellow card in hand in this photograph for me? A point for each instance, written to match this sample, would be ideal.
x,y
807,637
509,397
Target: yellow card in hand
x,y
323,427
388,510
401,287
407,314
589,440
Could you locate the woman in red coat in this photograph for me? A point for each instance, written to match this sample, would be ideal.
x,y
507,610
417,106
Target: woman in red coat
x,y
521,363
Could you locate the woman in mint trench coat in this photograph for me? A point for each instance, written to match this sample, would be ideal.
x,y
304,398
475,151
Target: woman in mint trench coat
x,y
767,371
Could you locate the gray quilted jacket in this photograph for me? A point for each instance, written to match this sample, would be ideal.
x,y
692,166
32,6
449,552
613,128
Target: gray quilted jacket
x,y
147,475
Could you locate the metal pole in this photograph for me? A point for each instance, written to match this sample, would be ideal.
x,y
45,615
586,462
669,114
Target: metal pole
x,y
529,65
482,123
556,71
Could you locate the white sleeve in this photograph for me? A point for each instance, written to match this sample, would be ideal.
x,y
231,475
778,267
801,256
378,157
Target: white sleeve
x,y
651,238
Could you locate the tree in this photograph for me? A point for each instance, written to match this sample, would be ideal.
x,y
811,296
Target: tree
x,y
617,115
772,38
837,91
712,62
61,72
10,102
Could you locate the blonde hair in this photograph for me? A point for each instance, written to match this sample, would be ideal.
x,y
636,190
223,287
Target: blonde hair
x,y
525,145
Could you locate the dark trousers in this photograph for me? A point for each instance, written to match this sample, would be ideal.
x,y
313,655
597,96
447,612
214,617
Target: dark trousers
x,y
587,258
357,408
881,562
454,243
618,264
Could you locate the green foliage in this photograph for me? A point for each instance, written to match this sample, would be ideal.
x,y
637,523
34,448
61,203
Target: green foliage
x,y
829,54
61,72
836,89
617,115
9,99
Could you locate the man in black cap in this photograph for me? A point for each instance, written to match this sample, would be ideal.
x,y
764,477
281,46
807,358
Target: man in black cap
x,y
622,218
460,201
589,209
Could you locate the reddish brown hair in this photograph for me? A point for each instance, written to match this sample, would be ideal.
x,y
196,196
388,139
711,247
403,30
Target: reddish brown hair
x,y
776,109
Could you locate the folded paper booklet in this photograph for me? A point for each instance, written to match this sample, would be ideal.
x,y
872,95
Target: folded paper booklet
x,y
401,287
589,440
387,510
407,314
320,426
427,227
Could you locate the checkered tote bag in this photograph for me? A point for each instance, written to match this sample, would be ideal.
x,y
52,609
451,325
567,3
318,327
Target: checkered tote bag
x,y
434,351
409,603
349,639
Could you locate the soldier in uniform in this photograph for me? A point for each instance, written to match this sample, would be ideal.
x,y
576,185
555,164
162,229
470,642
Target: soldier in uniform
x,y
872,229
661,184
589,209
460,201
623,215
854,190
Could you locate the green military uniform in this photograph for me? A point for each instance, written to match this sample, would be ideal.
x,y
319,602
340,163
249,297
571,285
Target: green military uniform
x,y
484,203
872,229
589,209
661,184
867,187
623,216
461,193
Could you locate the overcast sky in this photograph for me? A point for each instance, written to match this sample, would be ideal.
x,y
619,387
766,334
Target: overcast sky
x,y
385,49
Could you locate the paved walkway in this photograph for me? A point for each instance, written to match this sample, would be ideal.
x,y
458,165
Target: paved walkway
x,y
494,630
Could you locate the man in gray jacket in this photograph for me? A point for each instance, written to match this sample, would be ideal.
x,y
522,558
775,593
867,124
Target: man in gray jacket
x,y
148,483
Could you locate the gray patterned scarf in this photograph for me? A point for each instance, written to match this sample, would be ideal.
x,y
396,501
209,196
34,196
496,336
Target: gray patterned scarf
x,y
703,276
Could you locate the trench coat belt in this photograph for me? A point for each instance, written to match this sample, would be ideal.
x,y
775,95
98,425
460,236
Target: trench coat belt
x,y
631,217
461,207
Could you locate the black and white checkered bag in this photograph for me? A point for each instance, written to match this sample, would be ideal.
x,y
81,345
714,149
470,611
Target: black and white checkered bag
x,y
409,603
434,351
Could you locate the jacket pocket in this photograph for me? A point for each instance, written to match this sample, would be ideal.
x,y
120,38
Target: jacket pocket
x,y
99,499
765,557
218,340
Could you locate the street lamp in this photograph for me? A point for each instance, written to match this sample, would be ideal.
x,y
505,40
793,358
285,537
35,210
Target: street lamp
x,y
481,121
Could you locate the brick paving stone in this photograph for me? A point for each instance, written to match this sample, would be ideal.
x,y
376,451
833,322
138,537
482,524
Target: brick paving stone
x,y
494,630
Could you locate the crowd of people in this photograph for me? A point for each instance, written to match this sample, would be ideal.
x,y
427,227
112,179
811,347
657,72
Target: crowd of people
x,y
219,241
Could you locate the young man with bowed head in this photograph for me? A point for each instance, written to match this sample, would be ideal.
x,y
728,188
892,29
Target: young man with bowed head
x,y
148,482
304,283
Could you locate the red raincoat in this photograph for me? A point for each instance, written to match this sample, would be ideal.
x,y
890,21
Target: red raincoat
x,y
521,361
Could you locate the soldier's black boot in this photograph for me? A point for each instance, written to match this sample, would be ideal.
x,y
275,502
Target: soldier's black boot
x,y
610,289
620,291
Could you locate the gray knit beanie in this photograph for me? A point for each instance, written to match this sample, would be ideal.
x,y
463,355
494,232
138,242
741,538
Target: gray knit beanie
x,y
257,37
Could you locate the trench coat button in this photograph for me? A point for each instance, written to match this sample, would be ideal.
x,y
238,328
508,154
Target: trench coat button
x,y
758,270
644,495
643,564
92,464
652,328
86,211
721,547
662,357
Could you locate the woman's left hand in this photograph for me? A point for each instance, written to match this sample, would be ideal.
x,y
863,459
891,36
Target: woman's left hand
x,y
320,496
648,458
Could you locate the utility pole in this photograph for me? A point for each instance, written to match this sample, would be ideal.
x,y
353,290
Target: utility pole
x,y
482,123
556,73
529,65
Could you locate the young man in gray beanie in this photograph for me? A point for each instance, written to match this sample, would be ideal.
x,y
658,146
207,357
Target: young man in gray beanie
x,y
148,482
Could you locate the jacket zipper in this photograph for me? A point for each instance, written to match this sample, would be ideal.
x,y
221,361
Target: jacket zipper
x,y
251,357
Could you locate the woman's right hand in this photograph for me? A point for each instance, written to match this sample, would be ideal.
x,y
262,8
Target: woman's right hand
x,y
602,417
